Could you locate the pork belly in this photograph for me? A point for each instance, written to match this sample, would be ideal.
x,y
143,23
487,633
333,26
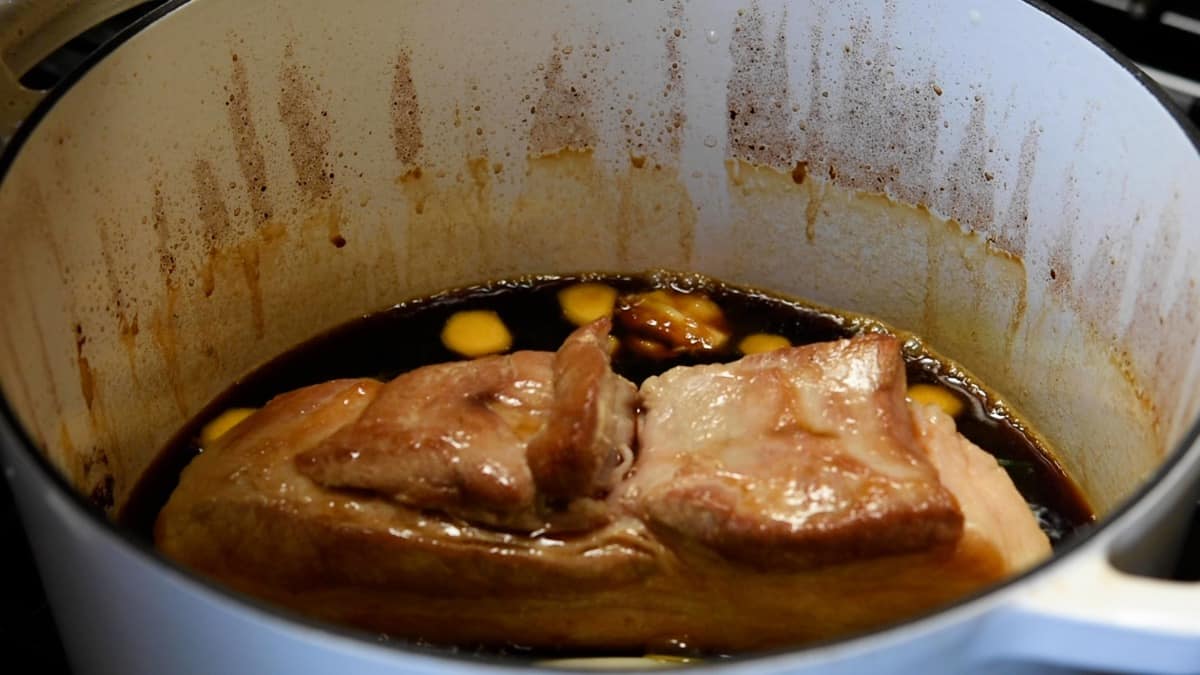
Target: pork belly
x,y
791,459
784,498
494,440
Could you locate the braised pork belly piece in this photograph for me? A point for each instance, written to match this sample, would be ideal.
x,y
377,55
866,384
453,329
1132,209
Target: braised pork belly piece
x,y
787,497
496,441
792,458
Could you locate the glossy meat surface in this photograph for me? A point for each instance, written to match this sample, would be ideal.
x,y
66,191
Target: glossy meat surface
x,y
818,505
792,458
489,440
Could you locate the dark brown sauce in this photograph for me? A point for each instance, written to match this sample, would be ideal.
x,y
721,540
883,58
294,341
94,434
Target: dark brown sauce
x,y
407,336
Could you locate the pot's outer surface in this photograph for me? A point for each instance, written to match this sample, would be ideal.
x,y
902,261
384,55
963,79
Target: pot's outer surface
x,y
238,176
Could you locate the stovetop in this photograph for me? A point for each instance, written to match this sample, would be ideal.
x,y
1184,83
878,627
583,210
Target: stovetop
x,y
1162,36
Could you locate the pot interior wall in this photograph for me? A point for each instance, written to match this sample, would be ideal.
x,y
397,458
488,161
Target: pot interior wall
x,y
241,176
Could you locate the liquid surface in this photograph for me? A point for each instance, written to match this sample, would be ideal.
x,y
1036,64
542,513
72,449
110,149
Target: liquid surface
x,y
407,336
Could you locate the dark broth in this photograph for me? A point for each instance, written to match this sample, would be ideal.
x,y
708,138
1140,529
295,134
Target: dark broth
x,y
407,336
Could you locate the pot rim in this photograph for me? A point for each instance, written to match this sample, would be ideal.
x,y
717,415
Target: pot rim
x,y
356,638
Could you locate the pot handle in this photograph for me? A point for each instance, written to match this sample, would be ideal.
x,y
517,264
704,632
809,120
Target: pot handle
x,y
1092,616
30,30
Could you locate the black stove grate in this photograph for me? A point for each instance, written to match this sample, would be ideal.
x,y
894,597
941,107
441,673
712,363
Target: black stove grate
x,y
1161,36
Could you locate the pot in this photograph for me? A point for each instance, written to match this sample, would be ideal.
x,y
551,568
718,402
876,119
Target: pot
x,y
227,179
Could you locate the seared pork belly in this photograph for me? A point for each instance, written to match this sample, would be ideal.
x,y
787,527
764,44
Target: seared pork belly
x,y
492,440
791,459
787,497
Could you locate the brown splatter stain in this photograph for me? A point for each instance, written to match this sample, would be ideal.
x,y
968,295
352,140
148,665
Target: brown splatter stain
x,y
217,231
164,321
655,219
406,112
1167,320
101,495
162,235
95,470
87,380
810,214
417,188
1021,305
251,160
867,127
799,173
933,301
64,440
561,117
248,257
444,217
1104,276
757,94
472,119
307,130
673,90
119,303
213,217
758,194
571,200
1062,247
966,275
882,131
968,195
1012,229
325,220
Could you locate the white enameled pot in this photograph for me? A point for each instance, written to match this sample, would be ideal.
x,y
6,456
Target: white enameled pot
x,y
228,178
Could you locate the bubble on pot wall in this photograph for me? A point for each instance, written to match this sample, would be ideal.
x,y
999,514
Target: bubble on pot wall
x,y
212,215
307,129
758,131
562,113
406,112
673,90
251,161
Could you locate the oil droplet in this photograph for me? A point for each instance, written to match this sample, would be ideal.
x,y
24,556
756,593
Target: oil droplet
x,y
712,37
710,141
